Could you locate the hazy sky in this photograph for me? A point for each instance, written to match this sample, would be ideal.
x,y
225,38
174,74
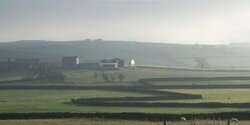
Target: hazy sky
x,y
171,21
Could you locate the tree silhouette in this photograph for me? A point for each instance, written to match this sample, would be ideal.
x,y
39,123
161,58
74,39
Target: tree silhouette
x,y
105,77
201,62
112,78
120,77
95,75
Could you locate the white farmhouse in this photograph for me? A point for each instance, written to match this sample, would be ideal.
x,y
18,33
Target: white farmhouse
x,y
131,63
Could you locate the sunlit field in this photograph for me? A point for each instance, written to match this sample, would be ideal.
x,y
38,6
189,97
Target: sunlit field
x,y
51,100
217,95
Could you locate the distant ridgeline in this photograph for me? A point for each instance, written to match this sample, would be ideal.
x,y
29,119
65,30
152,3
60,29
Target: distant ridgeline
x,y
152,54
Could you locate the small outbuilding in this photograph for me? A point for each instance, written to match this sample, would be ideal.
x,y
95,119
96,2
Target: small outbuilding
x,y
115,63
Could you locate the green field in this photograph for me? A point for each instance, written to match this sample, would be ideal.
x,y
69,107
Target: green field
x,y
39,100
139,73
203,82
217,95
10,76
58,101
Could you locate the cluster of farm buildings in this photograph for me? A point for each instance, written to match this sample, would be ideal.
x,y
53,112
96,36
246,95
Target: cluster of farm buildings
x,y
115,63
68,62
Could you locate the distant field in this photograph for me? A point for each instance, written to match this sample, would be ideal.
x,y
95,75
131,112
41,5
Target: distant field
x,y
86,76
109,122
217,95
10,76
203,82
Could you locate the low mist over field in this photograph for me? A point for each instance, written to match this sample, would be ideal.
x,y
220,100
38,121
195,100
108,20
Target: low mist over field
x,y
151,54
125,62
189,29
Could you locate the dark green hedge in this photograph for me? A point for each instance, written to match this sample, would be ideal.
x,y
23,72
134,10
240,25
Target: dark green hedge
x,y
126,116
159,104
153,98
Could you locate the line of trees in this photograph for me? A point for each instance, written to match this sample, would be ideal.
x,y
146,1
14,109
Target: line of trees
x,y
48,73
108,78
128,116
125,102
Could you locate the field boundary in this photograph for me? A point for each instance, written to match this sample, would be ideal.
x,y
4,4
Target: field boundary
x,y
121,88
160,104
125,116
177,96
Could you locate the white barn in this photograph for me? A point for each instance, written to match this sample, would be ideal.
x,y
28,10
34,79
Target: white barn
x,y
131,63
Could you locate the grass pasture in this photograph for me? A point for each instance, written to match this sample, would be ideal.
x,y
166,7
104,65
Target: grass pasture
x,y
203,82
217,95
52,100
86,77
10,77
42,100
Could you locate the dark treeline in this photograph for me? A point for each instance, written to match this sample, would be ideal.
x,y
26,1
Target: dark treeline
x,y
160,104
152,98
126,116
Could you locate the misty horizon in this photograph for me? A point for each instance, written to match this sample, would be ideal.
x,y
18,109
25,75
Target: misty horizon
x,y
104,40
183,22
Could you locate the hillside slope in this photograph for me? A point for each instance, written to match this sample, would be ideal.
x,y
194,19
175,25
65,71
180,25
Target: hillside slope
x,y
144,53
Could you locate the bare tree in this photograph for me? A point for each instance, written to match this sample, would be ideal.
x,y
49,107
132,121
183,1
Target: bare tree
x,y
201,62
95,76
105,77
120,77
112,78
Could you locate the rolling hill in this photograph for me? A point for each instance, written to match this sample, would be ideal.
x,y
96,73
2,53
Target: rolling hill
x,y
154,54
